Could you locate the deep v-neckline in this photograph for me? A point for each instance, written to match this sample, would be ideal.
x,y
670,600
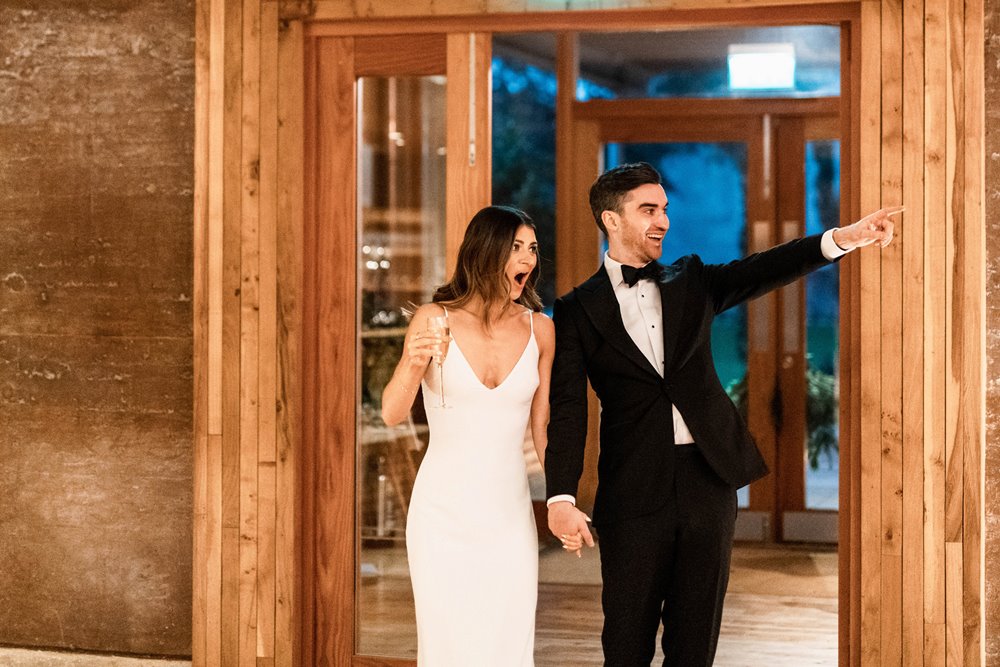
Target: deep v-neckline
x,y
468,364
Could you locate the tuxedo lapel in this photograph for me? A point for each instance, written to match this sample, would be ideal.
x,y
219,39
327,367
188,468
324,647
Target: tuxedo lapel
x,y
597,297
672,297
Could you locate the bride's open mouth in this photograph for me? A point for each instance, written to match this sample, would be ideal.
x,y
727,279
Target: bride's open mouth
x,y
520,279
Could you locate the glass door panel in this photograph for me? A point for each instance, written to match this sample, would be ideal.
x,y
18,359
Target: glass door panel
x,y
822,170
401,212
706,185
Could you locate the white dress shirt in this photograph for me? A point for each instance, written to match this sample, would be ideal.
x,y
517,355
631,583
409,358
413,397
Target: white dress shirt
x,y
642,314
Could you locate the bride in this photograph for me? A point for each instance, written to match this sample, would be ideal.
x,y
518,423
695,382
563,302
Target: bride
x,y
484,371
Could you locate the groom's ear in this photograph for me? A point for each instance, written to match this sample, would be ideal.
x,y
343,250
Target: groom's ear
x,y
611,220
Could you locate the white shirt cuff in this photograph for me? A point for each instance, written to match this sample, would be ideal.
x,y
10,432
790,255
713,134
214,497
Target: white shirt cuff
x,y
829,247
561,498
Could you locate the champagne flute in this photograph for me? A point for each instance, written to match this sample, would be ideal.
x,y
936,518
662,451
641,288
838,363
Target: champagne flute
x,y
438,326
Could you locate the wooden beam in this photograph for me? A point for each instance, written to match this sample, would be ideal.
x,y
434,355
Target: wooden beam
x,y
333,444
704,108
334,17
401,55
468,145
567,71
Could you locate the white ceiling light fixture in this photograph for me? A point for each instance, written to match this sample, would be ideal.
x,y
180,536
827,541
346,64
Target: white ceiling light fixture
x,y
762,66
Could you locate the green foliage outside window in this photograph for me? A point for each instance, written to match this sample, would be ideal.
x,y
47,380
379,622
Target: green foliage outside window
x,y
821,413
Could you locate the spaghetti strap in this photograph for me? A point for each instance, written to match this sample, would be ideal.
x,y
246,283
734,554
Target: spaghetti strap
x,y
531,320
445,312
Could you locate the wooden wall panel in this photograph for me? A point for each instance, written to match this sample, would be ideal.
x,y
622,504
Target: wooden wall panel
x,y
248,402
930,383
912,331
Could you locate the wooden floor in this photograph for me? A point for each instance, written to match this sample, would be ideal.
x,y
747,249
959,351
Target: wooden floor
x,y
781,610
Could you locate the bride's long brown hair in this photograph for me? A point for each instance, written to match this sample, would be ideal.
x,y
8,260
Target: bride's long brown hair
x,y
482,260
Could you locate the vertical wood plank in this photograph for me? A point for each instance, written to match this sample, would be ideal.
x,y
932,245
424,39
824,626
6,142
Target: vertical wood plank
x,y
790,312
267,337
581,261
468,163
335,289
249,333
935,350
850,405
214,298
307,481
216,201
201,529
290,377
567,69
870,361
891,341
954,202
845,535
232,164
266,494
973,336
954,604
762,313
213,557
911,238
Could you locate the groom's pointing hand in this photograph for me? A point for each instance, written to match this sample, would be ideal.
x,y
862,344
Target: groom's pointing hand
x,y
566,519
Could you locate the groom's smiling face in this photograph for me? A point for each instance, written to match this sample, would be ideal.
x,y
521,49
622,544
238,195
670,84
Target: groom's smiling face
x,y
635,235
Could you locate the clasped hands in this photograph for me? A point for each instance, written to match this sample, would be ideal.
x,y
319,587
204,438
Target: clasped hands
x,y
875,227
569,524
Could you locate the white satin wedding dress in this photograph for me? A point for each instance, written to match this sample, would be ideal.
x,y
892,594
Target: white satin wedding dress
x,y
470,530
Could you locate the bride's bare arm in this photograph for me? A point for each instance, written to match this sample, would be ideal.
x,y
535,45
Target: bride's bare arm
x,y
418,350
545,335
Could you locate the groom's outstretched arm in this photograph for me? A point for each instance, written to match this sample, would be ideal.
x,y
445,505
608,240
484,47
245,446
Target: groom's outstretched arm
x,y
567,430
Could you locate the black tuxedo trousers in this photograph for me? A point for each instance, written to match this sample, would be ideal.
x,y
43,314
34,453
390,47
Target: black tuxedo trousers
x,y
647,489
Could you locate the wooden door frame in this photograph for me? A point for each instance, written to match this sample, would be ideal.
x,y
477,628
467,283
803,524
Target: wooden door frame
x,y
329,553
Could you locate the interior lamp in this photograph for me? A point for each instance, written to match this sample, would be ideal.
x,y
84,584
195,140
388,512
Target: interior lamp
x,y
761,66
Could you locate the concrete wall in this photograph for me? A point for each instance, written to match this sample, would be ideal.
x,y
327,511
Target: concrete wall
x,y
96,140
992,501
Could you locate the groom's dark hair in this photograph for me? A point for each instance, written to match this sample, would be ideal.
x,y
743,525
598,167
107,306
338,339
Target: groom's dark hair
x,y
609,190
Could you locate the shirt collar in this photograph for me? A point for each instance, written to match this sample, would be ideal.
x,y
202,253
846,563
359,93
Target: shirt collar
x,y
614,269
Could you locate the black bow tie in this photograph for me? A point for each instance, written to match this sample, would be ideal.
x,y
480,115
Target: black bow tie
x,y
632,275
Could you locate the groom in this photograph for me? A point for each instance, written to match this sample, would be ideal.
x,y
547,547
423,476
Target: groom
x,y
673,449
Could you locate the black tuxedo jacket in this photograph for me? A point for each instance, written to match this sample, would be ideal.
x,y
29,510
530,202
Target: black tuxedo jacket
x,y
635,467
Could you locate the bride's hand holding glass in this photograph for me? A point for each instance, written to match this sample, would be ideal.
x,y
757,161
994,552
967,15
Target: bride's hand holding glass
x,y
438,328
